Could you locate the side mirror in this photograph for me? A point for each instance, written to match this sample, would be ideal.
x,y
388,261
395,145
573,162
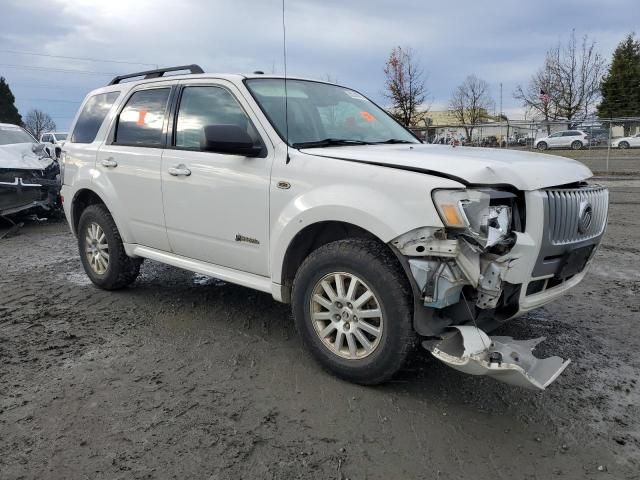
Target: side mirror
x,y
229,139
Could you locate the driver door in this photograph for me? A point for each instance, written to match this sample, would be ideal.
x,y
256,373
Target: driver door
x,y
216,206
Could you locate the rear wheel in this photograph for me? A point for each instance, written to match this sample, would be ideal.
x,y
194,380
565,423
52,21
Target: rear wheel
x,y
576,145
623,145
102,252
542,146
352,306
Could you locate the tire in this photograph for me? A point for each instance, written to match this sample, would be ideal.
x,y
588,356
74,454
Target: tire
x,y
97,236
576,145
378,272
542,146
623,145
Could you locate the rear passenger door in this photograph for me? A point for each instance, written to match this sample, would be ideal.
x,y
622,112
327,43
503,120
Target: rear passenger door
x,y
130,160
218,212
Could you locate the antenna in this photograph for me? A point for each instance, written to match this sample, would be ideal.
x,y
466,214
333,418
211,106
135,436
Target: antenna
x,y
286,96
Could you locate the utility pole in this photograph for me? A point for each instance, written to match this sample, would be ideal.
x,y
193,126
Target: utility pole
x,y
501,133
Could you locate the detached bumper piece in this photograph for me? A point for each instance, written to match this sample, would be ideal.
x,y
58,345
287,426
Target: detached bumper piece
x,y
470,350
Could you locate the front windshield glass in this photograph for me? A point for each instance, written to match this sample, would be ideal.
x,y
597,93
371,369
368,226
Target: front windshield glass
x,y
321,114
10,135
61,136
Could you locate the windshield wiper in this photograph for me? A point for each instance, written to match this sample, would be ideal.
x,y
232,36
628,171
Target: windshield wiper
x,y
395,140
330,142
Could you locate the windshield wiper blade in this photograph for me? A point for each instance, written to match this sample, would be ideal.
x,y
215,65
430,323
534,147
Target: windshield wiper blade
x,y
330,142
395,140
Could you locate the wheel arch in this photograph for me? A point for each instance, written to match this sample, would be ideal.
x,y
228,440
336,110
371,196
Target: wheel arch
x,y
81,200
310,238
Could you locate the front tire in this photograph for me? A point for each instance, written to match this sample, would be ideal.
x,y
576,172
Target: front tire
x,y
102,252
542,146
352,305
623,145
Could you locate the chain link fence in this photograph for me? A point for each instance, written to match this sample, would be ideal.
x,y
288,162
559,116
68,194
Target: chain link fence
x,y
607,147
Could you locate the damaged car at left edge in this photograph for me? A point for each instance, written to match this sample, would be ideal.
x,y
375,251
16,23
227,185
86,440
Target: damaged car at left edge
x,y
29,177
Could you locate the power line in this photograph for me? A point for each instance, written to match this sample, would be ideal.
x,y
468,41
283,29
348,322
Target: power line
x,y
86,59
77,102
61,70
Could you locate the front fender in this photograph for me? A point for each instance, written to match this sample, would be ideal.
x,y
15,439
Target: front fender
x,y
385,214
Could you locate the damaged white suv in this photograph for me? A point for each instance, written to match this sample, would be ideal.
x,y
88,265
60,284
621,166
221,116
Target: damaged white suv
x,y
312,193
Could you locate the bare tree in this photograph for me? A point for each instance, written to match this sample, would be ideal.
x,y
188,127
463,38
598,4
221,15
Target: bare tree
x,y
567,87
577,71
405,86
38,122
470,103
536,98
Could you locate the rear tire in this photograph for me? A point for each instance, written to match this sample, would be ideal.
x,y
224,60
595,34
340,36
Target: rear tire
x,y
623,145
542,146
372,347
102,251
576,145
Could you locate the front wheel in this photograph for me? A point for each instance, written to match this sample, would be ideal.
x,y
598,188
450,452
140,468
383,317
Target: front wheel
x,y
352,306
542,146
623,145
102,252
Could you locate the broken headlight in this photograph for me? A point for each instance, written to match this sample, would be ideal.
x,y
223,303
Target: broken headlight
x,y
471,213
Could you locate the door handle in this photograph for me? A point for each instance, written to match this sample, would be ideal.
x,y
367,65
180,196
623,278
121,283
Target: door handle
x,y
179,171
109,163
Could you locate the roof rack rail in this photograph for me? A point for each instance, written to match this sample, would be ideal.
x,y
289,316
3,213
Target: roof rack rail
x,y
193,68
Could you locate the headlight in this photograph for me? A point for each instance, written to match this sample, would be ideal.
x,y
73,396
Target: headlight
x,y
470,212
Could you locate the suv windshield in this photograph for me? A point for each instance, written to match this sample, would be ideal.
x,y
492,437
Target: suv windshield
x,y
61,136
10,135
323,115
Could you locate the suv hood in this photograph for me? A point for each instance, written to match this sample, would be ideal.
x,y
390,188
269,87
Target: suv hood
x,y
468,165
21,156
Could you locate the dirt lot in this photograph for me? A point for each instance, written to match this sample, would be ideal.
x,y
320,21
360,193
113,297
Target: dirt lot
x,y
182,376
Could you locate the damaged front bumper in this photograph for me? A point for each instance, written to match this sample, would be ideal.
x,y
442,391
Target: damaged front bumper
x,y
468,286
23,190
470,350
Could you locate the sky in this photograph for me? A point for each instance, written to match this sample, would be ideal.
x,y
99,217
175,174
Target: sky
x,y
347,41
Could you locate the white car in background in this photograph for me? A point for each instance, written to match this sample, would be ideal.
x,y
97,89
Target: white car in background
x,y
53,142
626,142
574,139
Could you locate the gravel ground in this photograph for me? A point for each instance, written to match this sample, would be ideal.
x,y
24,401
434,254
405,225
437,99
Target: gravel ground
x,y
183,376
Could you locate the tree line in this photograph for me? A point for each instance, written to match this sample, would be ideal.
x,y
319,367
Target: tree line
x,y
574,83
35,122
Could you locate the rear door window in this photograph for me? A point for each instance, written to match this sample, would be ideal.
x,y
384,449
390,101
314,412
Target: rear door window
x,y
141,121
93,114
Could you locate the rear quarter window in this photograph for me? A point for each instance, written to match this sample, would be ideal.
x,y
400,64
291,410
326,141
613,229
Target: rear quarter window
x,y
93,114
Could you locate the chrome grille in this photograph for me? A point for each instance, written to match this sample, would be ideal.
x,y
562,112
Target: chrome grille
x,y
564,209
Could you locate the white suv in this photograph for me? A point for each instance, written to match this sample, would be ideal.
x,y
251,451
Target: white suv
x,y
574,139
312,193
53,142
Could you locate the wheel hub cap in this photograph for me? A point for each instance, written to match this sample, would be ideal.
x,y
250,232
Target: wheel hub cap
x,y
346,315
97,248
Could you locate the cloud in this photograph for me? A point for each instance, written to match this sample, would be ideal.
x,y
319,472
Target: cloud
x,y
503,42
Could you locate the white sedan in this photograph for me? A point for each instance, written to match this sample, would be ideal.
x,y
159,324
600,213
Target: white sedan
x,y
626,142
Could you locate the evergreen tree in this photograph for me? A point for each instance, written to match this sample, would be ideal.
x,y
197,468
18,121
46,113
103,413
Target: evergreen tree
x,y
8,111
621,86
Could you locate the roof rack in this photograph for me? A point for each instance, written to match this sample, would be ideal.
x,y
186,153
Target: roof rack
x,y
193,68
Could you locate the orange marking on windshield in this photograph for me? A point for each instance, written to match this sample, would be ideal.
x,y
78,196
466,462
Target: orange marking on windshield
x,y
141,116
368,117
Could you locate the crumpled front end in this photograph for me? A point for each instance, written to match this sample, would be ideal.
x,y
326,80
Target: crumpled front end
x,y
501,254
23,190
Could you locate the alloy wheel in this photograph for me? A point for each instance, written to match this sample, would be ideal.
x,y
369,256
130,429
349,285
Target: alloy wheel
x,y
97,248
346,315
